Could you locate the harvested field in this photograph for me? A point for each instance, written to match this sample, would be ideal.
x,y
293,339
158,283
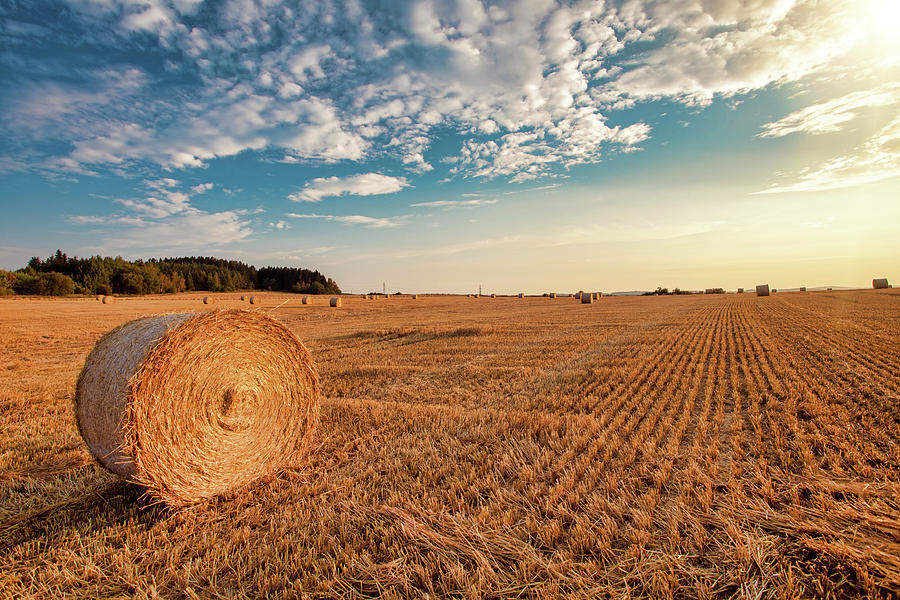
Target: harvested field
x,y
685,446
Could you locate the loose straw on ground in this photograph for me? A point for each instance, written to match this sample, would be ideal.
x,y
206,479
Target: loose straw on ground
x,y
192,406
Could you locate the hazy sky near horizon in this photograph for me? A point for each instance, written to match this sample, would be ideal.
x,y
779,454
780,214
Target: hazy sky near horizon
x,y
437,145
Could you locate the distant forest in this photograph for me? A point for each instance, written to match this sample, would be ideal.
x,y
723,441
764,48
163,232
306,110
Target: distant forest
x,y
60,275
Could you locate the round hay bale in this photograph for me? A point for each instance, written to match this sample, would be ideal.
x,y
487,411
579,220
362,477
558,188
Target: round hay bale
x,y
415,296
880,283
306,300
521,295
243,298
255,300
587,298
109,299
208,300
493,295
335,302
195,405
99,297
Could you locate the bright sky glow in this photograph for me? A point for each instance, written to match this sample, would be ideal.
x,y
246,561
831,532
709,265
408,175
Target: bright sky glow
x,y
437,145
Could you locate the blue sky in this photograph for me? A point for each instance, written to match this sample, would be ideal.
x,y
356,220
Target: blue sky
x,y
439,145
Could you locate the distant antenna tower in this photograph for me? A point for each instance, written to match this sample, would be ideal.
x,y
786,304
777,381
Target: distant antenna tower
x,y
479,289
383,288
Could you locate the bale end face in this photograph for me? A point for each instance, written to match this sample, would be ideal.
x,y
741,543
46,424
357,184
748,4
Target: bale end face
x,y
192,406
208,300
109,299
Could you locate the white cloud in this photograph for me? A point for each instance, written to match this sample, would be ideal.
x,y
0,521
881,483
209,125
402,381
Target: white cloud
x,y
371,222
830,116
280,225
447,204
875,160
530,86
167,220
364,184
202,188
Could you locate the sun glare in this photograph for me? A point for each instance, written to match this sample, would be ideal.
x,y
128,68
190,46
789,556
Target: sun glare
x,y
882,16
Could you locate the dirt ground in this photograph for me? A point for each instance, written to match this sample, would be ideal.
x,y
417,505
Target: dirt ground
x,y
693,446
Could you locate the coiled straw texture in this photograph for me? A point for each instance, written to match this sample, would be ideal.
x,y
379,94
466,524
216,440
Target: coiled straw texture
x,y
195,405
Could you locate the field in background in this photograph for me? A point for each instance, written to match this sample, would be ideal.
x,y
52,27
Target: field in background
x,y
699,446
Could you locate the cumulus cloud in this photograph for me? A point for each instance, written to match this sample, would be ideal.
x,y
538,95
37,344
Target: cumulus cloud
x,y
371,222
364,184
529,86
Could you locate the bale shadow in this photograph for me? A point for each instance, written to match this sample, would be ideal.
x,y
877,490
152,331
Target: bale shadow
x,y
96,507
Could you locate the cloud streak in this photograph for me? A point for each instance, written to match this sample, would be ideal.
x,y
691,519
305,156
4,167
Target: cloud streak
x,y
362,220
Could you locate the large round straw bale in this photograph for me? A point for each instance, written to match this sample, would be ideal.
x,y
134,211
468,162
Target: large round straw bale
x,y
335,302
255,299
305,300
553,294
243,298
109,299
493,295
192,406
521,295
208,300
880,284
587,298
99,297
762,290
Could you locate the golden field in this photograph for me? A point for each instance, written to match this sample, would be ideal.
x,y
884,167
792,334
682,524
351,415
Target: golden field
x,y
689,447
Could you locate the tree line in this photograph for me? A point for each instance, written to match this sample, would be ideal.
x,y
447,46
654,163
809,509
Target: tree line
x,y
61,275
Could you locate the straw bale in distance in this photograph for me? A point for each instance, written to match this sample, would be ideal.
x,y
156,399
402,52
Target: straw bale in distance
x,y
553,294
243,298
802,288
587,298
335,302
415,296
740,290
255,300
109,299
493,295
305,300
208,300
99,297
880,284
762,290
521,295
195,405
